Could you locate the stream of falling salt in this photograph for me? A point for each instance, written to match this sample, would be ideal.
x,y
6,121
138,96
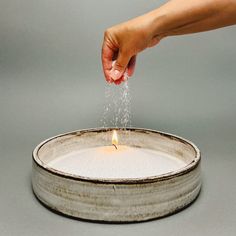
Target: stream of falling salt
x,y
117,106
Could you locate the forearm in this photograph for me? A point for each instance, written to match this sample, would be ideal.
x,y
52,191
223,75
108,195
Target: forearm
x,y
124,41
178,17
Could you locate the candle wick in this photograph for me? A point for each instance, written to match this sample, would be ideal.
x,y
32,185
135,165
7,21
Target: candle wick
x,y
115,146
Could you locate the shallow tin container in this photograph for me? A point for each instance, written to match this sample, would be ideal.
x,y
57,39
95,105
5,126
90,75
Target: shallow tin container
x,y
116,200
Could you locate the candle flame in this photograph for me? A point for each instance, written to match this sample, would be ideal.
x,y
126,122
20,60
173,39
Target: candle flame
x,y
114,138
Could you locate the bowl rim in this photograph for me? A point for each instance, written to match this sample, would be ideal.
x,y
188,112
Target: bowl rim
x,y
150,179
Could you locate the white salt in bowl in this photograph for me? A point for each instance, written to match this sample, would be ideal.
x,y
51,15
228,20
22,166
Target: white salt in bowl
x,y
75,175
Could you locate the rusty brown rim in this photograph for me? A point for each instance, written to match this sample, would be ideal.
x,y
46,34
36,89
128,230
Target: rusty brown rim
x,y
194,164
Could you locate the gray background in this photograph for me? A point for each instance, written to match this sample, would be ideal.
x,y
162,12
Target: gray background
x,y
51,82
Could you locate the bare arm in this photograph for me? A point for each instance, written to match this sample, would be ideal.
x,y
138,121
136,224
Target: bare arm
x,y
124,41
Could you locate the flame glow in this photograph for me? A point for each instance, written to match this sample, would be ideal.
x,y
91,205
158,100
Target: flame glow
x,y
114,138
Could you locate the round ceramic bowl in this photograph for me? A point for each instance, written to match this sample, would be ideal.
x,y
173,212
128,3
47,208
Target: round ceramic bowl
x,y
116,199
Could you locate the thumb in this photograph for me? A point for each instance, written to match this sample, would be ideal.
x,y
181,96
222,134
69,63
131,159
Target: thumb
x,y
120,66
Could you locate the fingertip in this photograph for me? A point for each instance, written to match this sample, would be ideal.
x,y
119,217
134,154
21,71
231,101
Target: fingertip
x,y
115,74
107,76
130,72
109,80
118,82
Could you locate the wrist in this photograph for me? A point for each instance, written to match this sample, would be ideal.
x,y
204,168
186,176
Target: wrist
x,y
157,24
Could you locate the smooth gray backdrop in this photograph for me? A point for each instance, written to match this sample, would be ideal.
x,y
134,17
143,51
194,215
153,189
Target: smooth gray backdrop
x,y
51,82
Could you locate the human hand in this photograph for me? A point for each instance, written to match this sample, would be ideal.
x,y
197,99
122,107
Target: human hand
x,y
177,17
122,43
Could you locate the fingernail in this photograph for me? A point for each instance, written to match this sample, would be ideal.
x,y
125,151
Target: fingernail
x,y
115,74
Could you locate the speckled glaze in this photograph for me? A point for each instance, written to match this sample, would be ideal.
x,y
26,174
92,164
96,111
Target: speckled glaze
x,y
116,200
